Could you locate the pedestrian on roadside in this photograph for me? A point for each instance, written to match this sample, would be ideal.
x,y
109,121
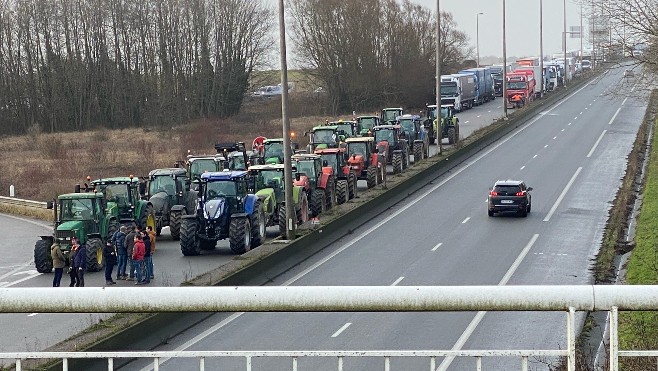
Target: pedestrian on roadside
x,y
152,236
119,240
59,263
81,265
110,256
146,278
130,243
138,258
73,272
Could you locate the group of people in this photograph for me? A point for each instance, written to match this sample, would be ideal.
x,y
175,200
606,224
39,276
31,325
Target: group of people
x,y
130,251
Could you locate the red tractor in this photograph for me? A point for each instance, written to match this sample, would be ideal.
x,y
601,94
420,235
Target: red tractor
x,y
365,160
334,162
318,182
393,142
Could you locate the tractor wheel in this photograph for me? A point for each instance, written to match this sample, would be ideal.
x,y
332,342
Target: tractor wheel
x,y
189,242
330,194
240,235
301,210
397,163
258,225
42,260
452,136
405,160
318,202
353,186
174,224
147,217
283,227
112,227
95,261
341,191
371,176
418,152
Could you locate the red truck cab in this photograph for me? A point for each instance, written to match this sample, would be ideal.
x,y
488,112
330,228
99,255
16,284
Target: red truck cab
x,y
520,83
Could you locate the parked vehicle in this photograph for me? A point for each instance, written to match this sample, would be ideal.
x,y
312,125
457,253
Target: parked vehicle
x,y
366,123
365,160
459,90
390,138
325,136
536,73
449,124
520,84
334,161
389,115
416,136
484,87
316,182
168,190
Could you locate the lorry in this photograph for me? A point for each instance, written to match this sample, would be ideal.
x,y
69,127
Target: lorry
x,y
519,84
536,74
458,90
484,88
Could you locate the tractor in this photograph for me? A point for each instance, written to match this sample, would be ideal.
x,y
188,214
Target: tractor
x,y
350,128
366,123
416,135
126,193
168,190
364,159
269,184
199,164
236,155
345,178
428,122
316,181
271,151
391,138
449,124
224,210
85,216
390,115
325,136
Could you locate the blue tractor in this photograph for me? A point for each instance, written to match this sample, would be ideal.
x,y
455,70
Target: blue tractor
x,y
225,209
416,135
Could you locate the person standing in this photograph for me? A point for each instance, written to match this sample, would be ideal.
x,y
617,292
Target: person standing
x,y
138,258
58,263
119,240
81,265
130,243
152,236
110,256
73,271
147,257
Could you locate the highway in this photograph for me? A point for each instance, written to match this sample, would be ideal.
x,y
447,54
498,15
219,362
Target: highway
x,y
565,146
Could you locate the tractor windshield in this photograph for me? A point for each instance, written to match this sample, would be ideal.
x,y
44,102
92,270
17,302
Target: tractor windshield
x,y
445,112
118,193
220,188
331,160
367,123
200,166
162,183
307,168
347,128
81,209
391,115
431,113
407,125
270,179
274,150
324,136
236,161
356,149
386,134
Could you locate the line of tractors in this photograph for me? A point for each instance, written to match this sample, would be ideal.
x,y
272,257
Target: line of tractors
x,y
236,193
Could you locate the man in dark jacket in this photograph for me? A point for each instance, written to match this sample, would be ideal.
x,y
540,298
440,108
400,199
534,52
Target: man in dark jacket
x,y
147,257
119,242
73,271
110,256
81,265
130,244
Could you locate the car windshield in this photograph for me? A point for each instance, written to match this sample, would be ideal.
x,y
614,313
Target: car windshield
x,y
274,149
220,188
407,125
269,179
115,193
507,189
367,123
306,167
162,183
385,134
81,209
356,149
200,166
391,115
517,85
324,136
447,89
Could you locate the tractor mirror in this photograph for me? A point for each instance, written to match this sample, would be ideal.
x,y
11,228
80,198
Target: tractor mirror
x,y
142,188
325,163
77,188
298,176
49,205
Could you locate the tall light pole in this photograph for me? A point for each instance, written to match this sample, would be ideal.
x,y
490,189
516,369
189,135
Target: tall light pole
x,y
477,36
438,77
291,223
541,47
564,40
504,67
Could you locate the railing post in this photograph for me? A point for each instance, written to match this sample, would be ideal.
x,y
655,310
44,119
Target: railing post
x,y
340,364
156,364
110,364
571,339
202,363
294,363
387,363
614,339
432,363
524,363
478,363
65,364
19,367
248,363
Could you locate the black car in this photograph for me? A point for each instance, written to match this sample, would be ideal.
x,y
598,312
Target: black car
x,y
509,195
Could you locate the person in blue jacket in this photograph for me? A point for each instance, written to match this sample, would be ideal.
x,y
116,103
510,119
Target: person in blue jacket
x,y
81,265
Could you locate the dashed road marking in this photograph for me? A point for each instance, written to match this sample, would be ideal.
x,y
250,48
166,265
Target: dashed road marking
x,y
397,281
466,220
591,151
522,167
535,156
546,146
555,137
340,330
32,315
614,116
564,192
440,243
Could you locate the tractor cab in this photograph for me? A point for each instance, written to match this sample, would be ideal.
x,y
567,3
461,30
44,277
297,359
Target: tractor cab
x,y
197,165
349,128
333,158
222,193
389,115
125,193
326,136
309,166
172,182
388,133
80,214
411,126
236,155
360,148
366,123
269,177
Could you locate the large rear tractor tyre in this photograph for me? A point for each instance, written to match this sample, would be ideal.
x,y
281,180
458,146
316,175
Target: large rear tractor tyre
x,y
240,235
42,260
452,135
112,227
189,242
283,228
147,217
418,152
174,224
405,160
397,163
318,202
258,225
95,261
301,209
353,184
341,191
330,194
371,177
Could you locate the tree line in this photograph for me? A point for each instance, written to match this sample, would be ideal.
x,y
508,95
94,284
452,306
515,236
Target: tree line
x,y
79,64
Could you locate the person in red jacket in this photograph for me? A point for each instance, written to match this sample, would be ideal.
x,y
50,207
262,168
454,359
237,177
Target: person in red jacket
x,y
138,258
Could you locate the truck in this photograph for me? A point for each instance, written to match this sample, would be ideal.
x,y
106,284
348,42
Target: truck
x,y
483,84
522,84
551,72
530,61
537,76
458,90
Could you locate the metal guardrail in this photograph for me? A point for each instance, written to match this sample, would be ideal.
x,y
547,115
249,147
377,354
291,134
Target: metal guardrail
x,y
22,202
568,298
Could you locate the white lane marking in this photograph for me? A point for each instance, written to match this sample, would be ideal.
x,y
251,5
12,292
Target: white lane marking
x,y
581,113
522,167
546,146
466,220
569,124
8,284
575,118
29,272
555,137
32,315
586,108
591,151
397,281
13,272
466,122
625,99
564,192
590,104
562,130
535,156
633,88
441,243
345,326
235,316
478,317
614,116
478,116
489,111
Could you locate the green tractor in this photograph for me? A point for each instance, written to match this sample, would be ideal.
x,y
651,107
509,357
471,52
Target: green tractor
x,y
389,116
349,128
271,150
85,216
168,190
449,124
366,123
269,184
126,193
325,136
236,155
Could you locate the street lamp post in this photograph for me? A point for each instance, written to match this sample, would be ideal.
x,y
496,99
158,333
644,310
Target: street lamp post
x,y
541,48
504,67
438,78
564,39
477,36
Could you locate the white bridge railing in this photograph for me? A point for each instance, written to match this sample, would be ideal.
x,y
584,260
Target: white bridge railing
x,y
567,299
22,202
